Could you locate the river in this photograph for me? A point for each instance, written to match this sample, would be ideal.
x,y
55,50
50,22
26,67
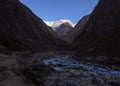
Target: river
x,y
73,73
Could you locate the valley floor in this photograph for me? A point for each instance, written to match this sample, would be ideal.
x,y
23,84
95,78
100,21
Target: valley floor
x,y
53,69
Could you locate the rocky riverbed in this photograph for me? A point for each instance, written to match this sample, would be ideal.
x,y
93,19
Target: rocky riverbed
x,y
73,73
53,70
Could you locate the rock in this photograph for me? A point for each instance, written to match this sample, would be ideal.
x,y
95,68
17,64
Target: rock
x,y
23,71
10,75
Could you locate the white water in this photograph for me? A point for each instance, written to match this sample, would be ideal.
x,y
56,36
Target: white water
x,y
63,63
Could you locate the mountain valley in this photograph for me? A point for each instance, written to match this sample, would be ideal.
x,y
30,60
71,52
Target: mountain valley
x,y
34,52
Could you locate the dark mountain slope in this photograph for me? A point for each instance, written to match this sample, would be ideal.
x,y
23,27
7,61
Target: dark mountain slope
x,y
79,28
63,29
21,29
101,34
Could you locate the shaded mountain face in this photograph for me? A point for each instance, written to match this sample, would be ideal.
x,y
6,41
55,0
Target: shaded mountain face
x,y
63,29
21,29
78,29
101,35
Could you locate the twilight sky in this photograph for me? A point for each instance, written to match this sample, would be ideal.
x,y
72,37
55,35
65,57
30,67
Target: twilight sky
x,y
52,10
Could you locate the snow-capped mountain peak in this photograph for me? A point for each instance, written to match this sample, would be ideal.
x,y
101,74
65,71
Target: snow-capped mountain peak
x,y
49,23
55,24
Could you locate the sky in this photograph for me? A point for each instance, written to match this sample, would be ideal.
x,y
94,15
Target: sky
x,y
53,10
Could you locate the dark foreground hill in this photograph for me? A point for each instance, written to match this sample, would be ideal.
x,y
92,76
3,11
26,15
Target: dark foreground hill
x,y
101,35
20,29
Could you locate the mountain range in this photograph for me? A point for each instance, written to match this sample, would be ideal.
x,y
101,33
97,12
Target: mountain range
x,y
61,27
96,34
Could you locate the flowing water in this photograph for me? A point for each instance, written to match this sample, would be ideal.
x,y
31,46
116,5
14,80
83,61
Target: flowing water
x,y
73,73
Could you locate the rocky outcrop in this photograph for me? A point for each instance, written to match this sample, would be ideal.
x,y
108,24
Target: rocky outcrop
x,y
21,69
20,29
10,74
78,29
63,29
101,33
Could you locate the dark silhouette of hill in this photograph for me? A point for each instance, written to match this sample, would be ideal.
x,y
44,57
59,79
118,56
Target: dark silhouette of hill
x,y
20,29
101,34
